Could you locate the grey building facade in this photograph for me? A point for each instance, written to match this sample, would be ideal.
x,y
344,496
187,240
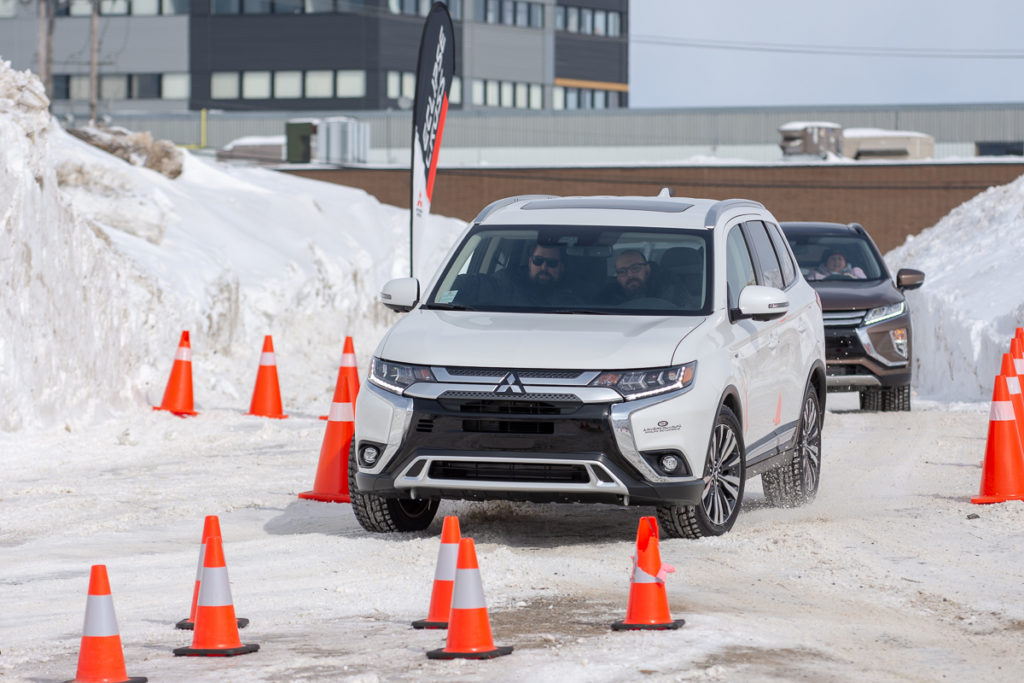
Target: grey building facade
x,y
163,56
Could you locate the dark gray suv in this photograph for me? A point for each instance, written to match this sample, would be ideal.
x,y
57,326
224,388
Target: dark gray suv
x,y
868,335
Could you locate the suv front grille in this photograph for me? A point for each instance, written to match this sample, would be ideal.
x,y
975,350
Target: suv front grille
x,y
488,403
843,318
509,471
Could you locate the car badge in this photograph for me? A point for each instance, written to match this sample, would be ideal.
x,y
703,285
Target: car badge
x,y
510,384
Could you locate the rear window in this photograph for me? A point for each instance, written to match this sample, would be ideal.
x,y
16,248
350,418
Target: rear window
x,y
578,269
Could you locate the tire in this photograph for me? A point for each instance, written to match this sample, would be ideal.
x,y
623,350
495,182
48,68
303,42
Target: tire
x,y
871,399
796,482
886,399
387,515
725,472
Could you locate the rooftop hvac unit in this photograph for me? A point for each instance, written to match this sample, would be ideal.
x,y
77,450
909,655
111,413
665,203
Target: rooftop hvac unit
x,y
342,140
810,138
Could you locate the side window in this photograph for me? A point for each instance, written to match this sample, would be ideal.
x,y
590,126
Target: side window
x,y
764,252
739,269
788,269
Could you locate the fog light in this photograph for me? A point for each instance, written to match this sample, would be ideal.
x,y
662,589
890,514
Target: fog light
x,y
899,340
370,455
669,463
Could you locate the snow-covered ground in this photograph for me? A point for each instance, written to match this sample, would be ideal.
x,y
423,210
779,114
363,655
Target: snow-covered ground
x,y
891,574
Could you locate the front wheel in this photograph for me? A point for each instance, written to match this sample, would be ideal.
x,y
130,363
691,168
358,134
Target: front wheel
x,y
724,476
796,482
386,515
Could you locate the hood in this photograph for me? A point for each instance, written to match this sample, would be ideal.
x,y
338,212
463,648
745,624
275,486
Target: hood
x,y
535,340
849,295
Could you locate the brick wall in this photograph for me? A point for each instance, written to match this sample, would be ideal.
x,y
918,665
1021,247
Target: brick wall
x,y
890,200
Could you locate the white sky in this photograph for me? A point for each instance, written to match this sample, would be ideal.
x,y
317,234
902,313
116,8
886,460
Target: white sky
x,y
666,69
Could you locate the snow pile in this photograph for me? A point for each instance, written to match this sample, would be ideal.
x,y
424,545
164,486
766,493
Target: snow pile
x,y
972,299
106,263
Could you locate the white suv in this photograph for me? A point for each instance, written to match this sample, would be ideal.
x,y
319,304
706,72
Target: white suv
x,y
629,350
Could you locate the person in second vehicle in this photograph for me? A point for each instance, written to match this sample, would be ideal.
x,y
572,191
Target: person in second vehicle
x,y
835,265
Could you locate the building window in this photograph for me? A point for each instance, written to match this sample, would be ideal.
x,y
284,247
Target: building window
x,y
287,85
80,8
61,87
536,96
113,8
394,85
522,13
508,98
558,97
614,24
318,6
78,87
600,22
145,8
522,96
351,83
8,8
170,7
508,12
572,19
408,84
478,92
255,85
455,94
288,6
560,18
255,6
586,21
224,85
225,7
145,87
536,15
493,98
572,98
319,84
175,86
113,87
600,99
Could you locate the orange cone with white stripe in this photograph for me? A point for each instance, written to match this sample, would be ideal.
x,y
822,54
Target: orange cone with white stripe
x,y
266,396
216,629
347,372
100,658
469,628
1013,386
1002,474
444,577
648,602
1017,352
331,483
211,527
178,394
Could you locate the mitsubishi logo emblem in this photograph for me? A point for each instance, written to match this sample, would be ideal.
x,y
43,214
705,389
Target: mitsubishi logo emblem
x,y
510,384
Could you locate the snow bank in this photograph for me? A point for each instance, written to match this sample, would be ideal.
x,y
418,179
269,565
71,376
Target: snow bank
x,y
973,295
106,263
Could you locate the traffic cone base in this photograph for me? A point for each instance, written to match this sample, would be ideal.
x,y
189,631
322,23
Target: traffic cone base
x,y
444,577
189,625
133,679
667,626
490,654
226,652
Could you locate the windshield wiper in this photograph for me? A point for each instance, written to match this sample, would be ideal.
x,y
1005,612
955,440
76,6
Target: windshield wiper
x,y
581,311
448,307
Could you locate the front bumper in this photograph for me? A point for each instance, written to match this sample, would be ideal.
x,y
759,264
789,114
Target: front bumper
x,y
859,357
538,448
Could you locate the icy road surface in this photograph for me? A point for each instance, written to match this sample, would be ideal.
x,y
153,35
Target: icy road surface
x,y
886,576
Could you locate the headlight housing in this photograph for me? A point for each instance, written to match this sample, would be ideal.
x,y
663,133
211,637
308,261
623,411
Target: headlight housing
x,y
397,377
877,315
634,384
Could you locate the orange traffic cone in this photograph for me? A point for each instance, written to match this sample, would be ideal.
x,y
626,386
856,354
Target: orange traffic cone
x,y
347,372
216,629
178,394
211,527
1002,474
266,396
331,483
1017,352
1009,371
648,603
100,658
444,577
469,628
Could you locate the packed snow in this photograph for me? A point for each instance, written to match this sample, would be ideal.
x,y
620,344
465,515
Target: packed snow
x,y
890,574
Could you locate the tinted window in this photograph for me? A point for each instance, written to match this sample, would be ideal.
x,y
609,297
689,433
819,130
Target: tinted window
x,y
739,267
782,250
761,244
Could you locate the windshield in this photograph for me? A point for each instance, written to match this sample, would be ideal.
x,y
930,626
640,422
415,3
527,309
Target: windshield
x,y
836,257
578,269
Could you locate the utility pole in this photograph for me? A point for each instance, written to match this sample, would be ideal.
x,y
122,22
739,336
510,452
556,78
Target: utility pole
x,y
46,14
94,62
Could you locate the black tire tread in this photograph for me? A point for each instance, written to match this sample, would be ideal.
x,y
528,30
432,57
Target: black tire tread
x,y
382,515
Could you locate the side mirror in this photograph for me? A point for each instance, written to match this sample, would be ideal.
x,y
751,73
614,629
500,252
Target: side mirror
x,y
763,303
400,294
908,278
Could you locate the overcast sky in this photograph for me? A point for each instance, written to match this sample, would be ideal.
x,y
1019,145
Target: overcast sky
x,y
687,53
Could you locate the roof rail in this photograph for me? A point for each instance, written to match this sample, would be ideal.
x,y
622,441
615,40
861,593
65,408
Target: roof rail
x,y
665,193
499,203
718,208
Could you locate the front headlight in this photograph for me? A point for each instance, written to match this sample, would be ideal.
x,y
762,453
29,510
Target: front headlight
x,y
877,315
634,384
396,377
